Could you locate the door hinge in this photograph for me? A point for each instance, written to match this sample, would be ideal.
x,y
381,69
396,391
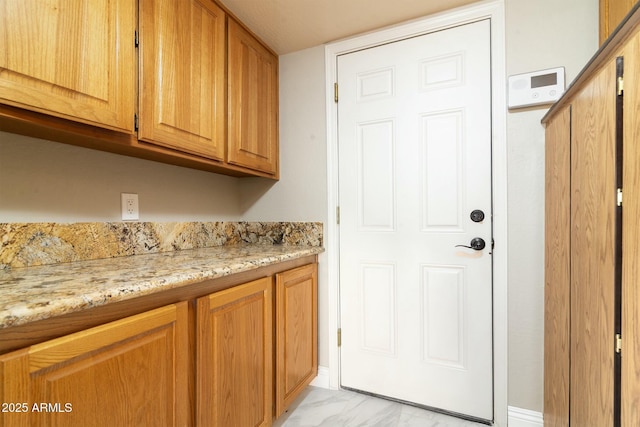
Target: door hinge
x,y
136,42
135,122
620,85
618,343
339,337
335,92
619,196
338,215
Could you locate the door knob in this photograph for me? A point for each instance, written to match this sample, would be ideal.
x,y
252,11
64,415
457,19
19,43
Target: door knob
x,y
477,244
477,215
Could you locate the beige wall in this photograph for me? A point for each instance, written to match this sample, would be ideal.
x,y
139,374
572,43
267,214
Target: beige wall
x,y
539,34
301,192
44,181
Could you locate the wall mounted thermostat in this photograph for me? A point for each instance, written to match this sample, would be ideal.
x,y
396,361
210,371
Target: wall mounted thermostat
x,y
536,88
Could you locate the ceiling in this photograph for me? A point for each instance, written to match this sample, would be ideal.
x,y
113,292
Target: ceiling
x,y
292,25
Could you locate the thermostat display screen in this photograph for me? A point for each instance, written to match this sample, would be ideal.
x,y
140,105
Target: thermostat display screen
x,y
536,88
544,80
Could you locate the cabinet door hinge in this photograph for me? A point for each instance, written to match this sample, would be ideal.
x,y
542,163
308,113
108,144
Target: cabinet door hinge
x,y
620,85
335,92
136,41
338,215
618,343
339,337
135,122
619,196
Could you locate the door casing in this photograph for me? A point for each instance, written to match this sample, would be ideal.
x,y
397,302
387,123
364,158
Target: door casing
x,y
494,10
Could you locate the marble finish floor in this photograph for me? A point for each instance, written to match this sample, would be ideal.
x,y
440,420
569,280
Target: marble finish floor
x,y
319,407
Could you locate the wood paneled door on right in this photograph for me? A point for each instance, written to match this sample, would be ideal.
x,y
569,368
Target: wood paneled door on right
x,y
592,309
593,221
580,305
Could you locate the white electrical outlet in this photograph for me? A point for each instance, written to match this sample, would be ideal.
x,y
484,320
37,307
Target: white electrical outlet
x,y
130,207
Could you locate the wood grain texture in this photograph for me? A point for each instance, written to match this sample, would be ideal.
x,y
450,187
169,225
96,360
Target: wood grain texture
x,y
593,202
611,15
182,73
133,377
296,333
235,356
630,396
557,269
253,102
70,58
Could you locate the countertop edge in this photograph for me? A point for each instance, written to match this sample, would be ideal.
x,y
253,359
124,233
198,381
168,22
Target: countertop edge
x,y
28,311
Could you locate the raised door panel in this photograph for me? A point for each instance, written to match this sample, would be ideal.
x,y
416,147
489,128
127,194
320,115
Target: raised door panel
x,y
73,59
296,333
235,356
630,395
132,372
182,99
253,102
557,270
593,196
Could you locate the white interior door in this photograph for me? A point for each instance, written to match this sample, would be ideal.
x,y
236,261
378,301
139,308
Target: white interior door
x,y
414,130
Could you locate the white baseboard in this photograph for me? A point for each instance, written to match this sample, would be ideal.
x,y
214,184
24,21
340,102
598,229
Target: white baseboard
x,y
322,380
524,418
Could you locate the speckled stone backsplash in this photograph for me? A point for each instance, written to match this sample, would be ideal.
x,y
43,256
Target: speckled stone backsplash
x,y
32,244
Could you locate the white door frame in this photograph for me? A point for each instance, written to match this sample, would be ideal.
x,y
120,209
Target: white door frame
x,y
494,10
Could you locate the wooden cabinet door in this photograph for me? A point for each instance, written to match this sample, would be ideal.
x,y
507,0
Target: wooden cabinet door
x,y
593,220
182,76
612,12
253,102
296,333
131,372
557,270
235,356
73,59
630,378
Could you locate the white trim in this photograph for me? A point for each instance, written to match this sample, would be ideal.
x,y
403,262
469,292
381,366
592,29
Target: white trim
x,y
322,380
519,417
494,10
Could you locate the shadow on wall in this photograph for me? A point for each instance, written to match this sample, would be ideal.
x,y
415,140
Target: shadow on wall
x,y
252,190
44,181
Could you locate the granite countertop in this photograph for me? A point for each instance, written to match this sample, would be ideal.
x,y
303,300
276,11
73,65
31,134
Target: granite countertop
x,y
35,293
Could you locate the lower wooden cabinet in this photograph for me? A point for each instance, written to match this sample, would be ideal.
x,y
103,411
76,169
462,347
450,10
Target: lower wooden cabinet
x,y
212,361
296,333
234,356
236,348
131,372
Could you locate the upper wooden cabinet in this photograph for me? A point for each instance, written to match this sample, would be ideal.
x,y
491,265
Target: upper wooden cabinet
x,y
611,14
205,96
253,102
73,59
182,70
